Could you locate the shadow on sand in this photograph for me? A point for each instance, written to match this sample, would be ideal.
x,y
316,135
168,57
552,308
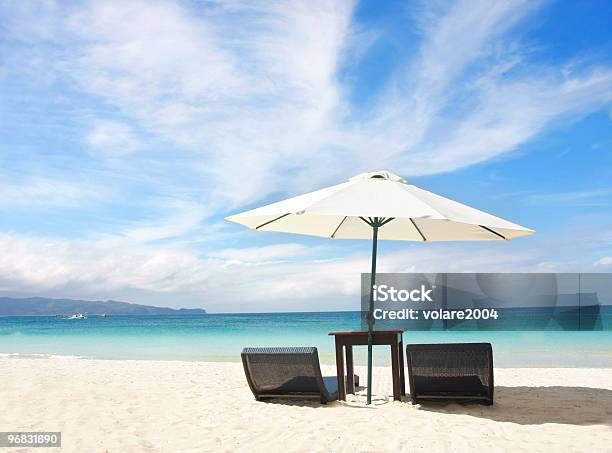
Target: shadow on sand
x,y
538,405
313,402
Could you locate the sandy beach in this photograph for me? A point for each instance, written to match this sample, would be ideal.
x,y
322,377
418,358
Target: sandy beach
x,y
119,406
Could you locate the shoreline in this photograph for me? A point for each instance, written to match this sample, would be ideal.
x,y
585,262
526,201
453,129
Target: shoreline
x,y
233,359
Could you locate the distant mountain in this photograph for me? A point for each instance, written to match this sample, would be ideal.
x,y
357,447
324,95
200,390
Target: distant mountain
x,y
42,306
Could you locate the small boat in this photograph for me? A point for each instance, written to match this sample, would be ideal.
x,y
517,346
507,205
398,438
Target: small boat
x,y
77,316
103,315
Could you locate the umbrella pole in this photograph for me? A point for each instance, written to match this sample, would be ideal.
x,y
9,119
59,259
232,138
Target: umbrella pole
x,y
375,226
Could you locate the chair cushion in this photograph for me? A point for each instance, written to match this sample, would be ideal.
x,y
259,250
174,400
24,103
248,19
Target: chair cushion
x,y
331,384
298,384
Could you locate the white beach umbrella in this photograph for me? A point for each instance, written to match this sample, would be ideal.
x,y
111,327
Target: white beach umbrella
x,y
379,205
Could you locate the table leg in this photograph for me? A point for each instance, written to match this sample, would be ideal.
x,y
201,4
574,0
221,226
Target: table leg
x,y
395,370
350,373
401,364
340,370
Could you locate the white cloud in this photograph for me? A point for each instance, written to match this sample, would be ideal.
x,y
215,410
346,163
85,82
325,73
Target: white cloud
x,y
264,279
90,267
43,192
606,261
111,138
258,255
230,82
593,197
171,217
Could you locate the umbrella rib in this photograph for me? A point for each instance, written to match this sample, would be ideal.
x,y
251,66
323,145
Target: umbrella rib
x,y
384,222
270,221
418,229
494,232
366,221
338,227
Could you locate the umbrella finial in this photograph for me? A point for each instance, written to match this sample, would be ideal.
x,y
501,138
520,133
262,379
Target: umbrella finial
x,y
383,174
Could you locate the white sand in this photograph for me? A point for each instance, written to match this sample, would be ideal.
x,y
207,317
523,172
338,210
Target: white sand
x,y
119,406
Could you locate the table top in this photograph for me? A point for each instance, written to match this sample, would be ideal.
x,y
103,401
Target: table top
x,y
362,332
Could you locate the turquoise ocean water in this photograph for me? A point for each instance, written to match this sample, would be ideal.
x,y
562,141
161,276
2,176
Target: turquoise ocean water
x,y
220,337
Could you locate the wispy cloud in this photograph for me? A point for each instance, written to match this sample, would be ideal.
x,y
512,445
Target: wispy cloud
x,y
234,82
275,252
112,139
605,262
594,197
44,193
458,105
171,217
252,83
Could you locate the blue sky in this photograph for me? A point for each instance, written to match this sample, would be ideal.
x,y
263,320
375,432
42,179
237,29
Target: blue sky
x,y
128,130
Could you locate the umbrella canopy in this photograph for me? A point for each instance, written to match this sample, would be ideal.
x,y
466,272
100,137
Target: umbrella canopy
x,y
379,205
338,212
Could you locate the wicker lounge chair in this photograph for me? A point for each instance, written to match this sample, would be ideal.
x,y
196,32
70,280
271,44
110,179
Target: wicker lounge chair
x,y
460,371
288,373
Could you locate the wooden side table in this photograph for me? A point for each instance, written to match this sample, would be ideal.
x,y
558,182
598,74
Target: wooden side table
x,y
349,338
